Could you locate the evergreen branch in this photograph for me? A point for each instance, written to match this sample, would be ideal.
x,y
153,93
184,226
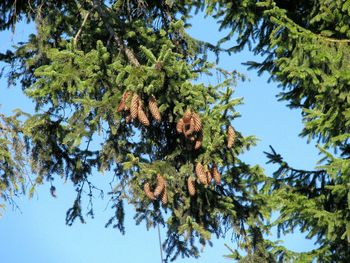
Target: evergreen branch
x,y
301,28
304,30
128,52
276,158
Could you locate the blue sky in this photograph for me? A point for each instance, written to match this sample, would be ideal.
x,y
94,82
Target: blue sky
x,y
38,233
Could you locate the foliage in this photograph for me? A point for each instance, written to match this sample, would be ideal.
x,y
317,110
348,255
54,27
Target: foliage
x,y
78,69
306,49
88,55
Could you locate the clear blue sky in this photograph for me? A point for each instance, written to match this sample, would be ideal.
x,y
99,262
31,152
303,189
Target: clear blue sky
x,y
38,233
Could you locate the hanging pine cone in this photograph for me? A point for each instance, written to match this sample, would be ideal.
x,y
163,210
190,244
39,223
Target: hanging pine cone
x,y
188,128
231,135
198,143
179,125
121,106
122,103
164,198
191,186
201,174
134,106
209,177
160,185
142,117
153,108
148,192
197,122
216,175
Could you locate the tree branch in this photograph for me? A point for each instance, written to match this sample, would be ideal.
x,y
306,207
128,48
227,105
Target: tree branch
x,y
128,52
75,40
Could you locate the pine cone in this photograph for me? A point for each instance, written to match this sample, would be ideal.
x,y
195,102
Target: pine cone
x,y
160,185
179,125
191,186
142,117
188,128
153,108
187,116
231,135
201,174
121,106
209,177
122,103
198,143
134,107
164,198
216,175
148,191
197,122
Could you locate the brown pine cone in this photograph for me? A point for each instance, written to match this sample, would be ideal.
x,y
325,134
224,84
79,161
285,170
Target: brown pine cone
x,y
201,174
198,143
134,106
142,117
188,128
191,186
153,108
121,106
160,185
164,198
197,122
122,103
209,177
148,192
179,125
216,175
231,135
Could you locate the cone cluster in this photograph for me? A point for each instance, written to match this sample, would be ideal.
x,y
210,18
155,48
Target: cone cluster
x,y
190,125
132,104
159,191
205,176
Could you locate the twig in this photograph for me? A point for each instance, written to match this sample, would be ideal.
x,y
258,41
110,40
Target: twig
x,y
75,40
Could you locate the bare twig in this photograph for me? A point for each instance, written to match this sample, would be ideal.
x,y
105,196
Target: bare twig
x,y
75,40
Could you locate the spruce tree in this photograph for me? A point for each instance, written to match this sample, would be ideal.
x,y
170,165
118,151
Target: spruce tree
x,y
116,88
128,72
306,45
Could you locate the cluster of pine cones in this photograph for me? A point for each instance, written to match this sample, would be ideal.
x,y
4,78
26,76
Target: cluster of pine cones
x,y
133,105
190,125
159,191
205,177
